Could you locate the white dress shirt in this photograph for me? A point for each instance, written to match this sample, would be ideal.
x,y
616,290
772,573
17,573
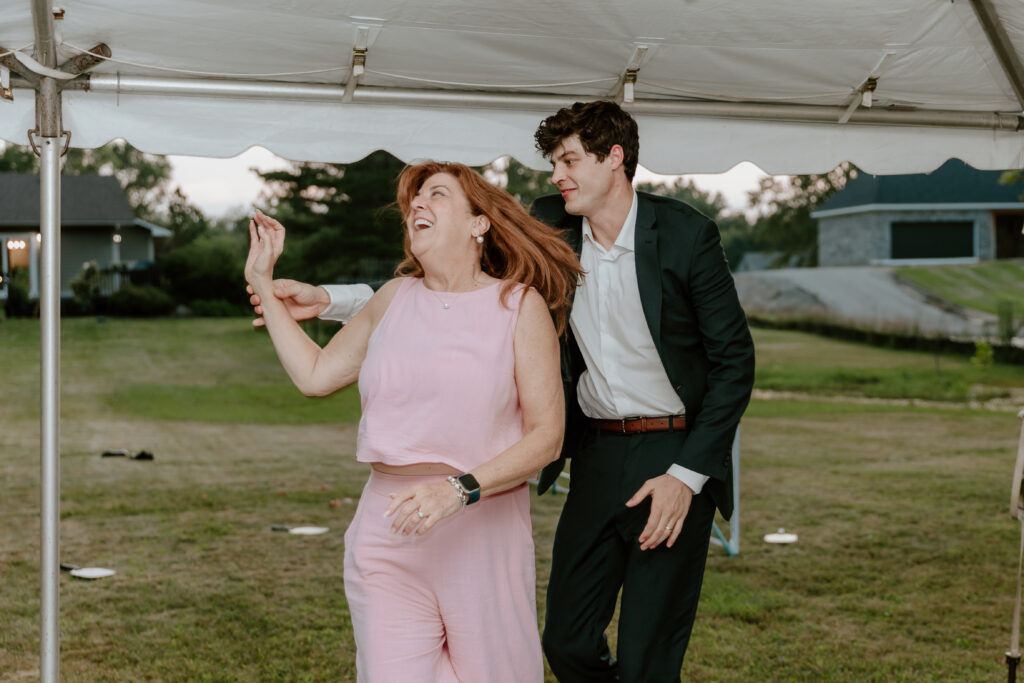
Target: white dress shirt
x,y
624,375
346,300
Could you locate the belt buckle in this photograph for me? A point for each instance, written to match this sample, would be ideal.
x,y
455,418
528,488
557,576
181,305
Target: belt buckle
x,y
634,418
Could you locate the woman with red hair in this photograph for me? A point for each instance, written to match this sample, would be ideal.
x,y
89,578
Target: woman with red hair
x,y
458,370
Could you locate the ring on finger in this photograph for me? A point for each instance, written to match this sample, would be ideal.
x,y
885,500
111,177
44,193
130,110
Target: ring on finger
x,y
419,513
668,528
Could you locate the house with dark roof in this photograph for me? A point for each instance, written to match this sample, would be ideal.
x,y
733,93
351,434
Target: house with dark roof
x,y
97,224
955,214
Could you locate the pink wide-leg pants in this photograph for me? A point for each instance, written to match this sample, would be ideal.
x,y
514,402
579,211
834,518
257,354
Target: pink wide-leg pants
x,y
455,604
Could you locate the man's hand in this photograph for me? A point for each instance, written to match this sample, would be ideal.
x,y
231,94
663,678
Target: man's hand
x,y
670,501
302,300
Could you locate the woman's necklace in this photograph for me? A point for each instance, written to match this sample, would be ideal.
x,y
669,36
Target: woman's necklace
x,y
446,304
450,297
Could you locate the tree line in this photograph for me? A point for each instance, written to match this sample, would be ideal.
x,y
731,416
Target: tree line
x,y
343,225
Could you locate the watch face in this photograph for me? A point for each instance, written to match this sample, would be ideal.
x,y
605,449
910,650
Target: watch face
x,y
469,482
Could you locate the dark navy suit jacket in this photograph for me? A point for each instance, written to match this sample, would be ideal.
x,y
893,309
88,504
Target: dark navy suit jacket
x,y
698,327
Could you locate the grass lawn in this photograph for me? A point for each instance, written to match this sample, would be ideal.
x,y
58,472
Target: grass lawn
x,y
904,571
978,285
801,362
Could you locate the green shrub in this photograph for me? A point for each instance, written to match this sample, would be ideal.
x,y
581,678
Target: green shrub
x,y
86,286
133,301
1007,327
18,303
983,354
207,269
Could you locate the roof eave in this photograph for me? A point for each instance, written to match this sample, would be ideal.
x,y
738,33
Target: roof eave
x,y
154,229
950,206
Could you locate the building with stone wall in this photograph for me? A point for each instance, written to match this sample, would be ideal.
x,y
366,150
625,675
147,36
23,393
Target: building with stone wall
x,y
956,214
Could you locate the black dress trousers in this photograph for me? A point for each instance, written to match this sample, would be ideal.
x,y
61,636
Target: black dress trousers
x,y
597,553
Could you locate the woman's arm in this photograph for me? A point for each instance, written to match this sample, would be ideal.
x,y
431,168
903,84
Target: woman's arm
x,y
315,371
539,382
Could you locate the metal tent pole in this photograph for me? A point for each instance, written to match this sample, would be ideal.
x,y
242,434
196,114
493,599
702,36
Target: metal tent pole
x,y
49,319
49,148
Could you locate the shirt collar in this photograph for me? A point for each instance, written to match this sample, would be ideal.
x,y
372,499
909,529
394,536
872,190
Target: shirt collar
x,y
627,233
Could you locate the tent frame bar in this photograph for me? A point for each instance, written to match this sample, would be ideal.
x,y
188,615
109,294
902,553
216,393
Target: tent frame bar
x,y
1001,45
122,84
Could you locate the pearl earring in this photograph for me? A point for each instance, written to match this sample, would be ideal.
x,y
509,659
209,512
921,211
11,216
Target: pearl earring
x,y
479,239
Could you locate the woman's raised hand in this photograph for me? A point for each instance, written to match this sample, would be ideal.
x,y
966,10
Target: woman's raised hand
x,y
266,242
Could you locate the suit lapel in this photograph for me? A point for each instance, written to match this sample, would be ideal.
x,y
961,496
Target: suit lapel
x,y
647,277
574,235
573,226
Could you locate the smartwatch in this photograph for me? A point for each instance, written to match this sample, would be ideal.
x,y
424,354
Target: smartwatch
x,y
470,486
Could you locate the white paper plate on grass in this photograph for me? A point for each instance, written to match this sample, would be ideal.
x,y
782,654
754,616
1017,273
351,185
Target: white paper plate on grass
x,y
780,537
92,572
301,530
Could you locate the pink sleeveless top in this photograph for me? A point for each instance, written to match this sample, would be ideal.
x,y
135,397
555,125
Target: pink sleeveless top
x,y
438,384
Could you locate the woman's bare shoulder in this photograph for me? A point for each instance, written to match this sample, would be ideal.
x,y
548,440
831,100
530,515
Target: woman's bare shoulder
x,y
533,310
381,299
389,288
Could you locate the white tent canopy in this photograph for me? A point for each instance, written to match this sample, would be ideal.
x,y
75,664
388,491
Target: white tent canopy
x,y
716,81
793,86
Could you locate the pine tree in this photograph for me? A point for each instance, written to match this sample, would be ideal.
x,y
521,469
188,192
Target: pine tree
x,y
341,221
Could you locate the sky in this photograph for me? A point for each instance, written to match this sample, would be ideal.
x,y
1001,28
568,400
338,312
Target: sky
x,y
228,186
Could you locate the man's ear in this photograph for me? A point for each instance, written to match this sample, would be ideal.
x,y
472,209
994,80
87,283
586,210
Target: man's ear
x,y
616,156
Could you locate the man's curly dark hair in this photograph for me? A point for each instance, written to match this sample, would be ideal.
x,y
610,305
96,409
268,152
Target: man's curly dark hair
x,y
600,125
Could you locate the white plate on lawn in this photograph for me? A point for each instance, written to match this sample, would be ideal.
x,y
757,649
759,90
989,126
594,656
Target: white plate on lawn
x,y
308,530
780,537
92,572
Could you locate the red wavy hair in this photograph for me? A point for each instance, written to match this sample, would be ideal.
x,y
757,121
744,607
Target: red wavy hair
x,y
517,248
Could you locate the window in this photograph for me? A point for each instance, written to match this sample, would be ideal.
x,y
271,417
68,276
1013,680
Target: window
x,y
939,239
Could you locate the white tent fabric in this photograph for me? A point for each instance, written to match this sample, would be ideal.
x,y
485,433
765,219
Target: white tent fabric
x,y
794,86
468,80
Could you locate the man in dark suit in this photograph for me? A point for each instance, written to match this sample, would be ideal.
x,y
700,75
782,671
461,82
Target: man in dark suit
x,y
658,369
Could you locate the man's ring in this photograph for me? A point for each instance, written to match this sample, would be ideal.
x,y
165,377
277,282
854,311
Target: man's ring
x,y
420,513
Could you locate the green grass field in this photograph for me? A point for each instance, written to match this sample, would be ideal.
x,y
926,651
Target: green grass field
x,y
980,285
904,571
841,368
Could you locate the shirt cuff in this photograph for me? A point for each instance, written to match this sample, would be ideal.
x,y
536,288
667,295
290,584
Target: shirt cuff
x,y
346,301
695,480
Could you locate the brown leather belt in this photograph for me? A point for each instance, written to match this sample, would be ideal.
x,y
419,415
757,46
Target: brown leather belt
x,y
640,425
